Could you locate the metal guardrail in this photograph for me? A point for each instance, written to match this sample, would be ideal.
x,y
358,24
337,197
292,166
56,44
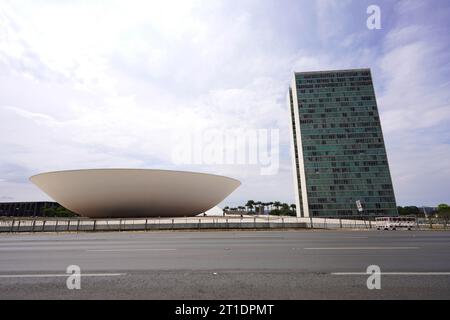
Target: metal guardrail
x,y
78,225
369,222
11,225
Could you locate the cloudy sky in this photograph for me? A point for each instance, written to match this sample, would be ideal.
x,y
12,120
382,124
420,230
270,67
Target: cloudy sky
x,y
90,84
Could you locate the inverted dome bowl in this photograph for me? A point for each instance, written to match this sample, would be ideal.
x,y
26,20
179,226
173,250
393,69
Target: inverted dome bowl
x,y
114,193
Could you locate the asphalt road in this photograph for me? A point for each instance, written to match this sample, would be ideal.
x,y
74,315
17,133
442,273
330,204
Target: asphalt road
x,y
227,265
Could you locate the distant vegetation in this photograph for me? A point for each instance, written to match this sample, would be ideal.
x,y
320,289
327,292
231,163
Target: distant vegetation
x,y
59,212
410,210
283,209
257,207
442,211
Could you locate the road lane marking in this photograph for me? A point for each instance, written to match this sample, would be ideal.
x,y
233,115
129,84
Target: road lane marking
x,y
126,250
363,248
39,249
60,275
393,273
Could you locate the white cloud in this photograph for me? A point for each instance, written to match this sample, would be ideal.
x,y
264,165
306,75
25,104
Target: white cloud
x,y
415,113
95,84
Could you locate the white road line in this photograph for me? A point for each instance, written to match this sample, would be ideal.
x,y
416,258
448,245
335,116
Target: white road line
x,y
364,248
349,238
393,273
38,249
60,275
130,250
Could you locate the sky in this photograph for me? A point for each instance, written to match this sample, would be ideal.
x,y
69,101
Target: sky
x,y
118,84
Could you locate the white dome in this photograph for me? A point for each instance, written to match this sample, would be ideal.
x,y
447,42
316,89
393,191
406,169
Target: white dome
x,y
117,193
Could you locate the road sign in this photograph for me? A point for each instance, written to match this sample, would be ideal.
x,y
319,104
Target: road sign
x,y
359,205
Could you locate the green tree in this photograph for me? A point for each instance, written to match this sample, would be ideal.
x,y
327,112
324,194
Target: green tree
x,y
275,212
258,207
293,207
409,210
265,205
282,209
59,212
443,210
225,210
277,204
250,205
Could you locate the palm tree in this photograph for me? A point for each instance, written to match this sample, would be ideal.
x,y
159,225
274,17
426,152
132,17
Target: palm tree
x,y
224,210
250,204
265,204
285,208
261,207
293,207
258,205
277,204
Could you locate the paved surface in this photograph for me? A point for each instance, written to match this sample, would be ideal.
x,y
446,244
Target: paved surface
x,y
227,265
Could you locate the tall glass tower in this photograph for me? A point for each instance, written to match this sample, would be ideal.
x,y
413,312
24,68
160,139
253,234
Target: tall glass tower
x,y
338,154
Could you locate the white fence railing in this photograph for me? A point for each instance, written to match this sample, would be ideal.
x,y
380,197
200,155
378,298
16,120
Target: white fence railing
x,y
226,222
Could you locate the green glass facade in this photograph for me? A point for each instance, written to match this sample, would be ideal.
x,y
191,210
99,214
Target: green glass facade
x,y
339,151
